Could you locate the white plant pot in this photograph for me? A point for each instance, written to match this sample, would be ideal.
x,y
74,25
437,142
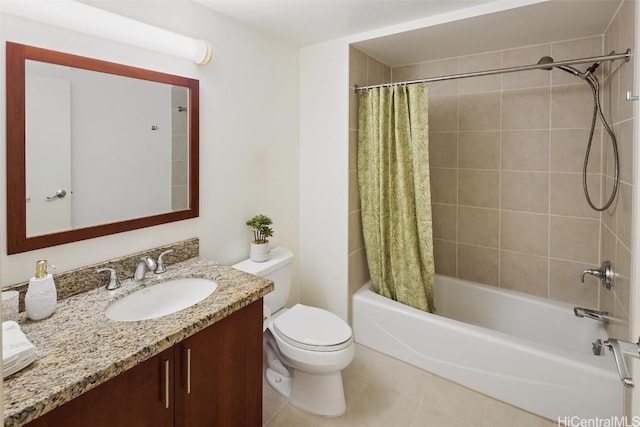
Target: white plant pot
x,y
259,252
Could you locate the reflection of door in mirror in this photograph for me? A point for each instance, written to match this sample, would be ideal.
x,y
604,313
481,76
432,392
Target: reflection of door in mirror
x,y
48,154
107,141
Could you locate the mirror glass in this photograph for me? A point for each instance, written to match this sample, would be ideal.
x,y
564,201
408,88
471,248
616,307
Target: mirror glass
x,y
105,147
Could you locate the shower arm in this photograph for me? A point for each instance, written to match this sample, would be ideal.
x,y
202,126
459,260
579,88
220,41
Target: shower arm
x,y
611,57
620,349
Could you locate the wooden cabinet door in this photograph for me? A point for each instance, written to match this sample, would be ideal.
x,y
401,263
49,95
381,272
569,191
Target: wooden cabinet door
x,y
219,373
211,379
135,398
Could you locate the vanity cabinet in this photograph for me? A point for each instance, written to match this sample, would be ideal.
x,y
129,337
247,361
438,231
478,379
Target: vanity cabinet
x,y
213,378
224,385
133,398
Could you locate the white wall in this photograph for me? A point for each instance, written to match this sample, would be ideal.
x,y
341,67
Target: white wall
x,y
248,134
324,179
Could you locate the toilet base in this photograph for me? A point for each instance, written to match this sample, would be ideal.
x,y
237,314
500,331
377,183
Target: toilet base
x,y
279,382
317,394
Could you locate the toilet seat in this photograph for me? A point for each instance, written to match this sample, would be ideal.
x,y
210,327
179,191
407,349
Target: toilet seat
x,y
313,329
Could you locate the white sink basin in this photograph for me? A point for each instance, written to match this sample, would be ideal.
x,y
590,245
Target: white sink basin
x,y
161,299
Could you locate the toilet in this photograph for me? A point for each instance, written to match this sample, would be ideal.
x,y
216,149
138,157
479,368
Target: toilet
x,y
306,347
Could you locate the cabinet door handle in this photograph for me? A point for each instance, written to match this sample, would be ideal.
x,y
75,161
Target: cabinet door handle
x,y
188,370
166,384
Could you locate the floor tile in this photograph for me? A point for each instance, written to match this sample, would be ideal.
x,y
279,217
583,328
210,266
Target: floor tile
x,y
382,391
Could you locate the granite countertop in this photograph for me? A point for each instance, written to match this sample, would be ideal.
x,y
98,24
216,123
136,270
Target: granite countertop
x,y
80,348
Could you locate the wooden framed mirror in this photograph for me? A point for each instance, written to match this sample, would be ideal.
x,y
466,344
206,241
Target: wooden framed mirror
x,y
95,148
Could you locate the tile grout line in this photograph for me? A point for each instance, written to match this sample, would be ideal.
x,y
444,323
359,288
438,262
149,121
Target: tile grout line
x,y
500,176
549,183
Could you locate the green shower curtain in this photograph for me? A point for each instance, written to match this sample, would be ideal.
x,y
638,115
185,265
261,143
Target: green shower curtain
x,y
393,178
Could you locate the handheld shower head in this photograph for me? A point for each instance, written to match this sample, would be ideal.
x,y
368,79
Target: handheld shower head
x,y
546,60
549,60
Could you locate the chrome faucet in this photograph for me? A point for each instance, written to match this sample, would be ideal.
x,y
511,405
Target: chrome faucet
x,y
621,348
160,268
601,316
114,283
604,274
142,267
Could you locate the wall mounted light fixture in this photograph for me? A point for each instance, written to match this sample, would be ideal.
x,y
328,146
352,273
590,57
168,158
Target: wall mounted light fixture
x,y
90,20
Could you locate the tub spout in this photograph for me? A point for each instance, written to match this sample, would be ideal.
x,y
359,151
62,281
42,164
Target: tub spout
x,y
621,348
601,316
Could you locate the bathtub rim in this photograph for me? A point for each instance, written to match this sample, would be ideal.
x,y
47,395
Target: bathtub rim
x,y
564,356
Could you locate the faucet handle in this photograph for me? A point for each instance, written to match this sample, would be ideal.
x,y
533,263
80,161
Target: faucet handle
x,y
114,282
160,268
605,274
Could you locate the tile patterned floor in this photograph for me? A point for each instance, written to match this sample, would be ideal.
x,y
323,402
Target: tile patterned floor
x,y
382,391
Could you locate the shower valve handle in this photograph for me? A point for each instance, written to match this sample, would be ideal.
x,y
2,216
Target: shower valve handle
x,y
604,274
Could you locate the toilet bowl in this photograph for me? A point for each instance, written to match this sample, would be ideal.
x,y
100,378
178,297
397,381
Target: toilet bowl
x,y
306,347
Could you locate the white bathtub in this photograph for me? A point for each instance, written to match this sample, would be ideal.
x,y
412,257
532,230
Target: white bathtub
x,y
530,352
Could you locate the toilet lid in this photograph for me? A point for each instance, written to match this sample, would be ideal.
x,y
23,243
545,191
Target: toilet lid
x,y
313,329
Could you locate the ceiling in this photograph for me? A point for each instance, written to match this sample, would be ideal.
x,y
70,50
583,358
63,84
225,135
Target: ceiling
x,y
524,26
305,22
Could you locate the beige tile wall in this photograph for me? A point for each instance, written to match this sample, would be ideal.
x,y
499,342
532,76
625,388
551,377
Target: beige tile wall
x,y
506,161
616,223
179,150
363,70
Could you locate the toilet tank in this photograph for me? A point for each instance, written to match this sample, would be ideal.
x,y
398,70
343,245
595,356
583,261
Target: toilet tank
x,y
277,268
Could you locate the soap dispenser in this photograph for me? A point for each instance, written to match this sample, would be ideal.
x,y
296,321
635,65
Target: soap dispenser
x,y
40,300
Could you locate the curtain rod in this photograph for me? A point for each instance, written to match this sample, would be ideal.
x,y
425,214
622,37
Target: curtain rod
x,y
611,57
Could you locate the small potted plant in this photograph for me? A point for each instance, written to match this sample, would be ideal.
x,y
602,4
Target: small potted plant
x,y
261,231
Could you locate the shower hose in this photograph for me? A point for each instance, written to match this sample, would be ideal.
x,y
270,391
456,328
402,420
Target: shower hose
x,y
592,80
